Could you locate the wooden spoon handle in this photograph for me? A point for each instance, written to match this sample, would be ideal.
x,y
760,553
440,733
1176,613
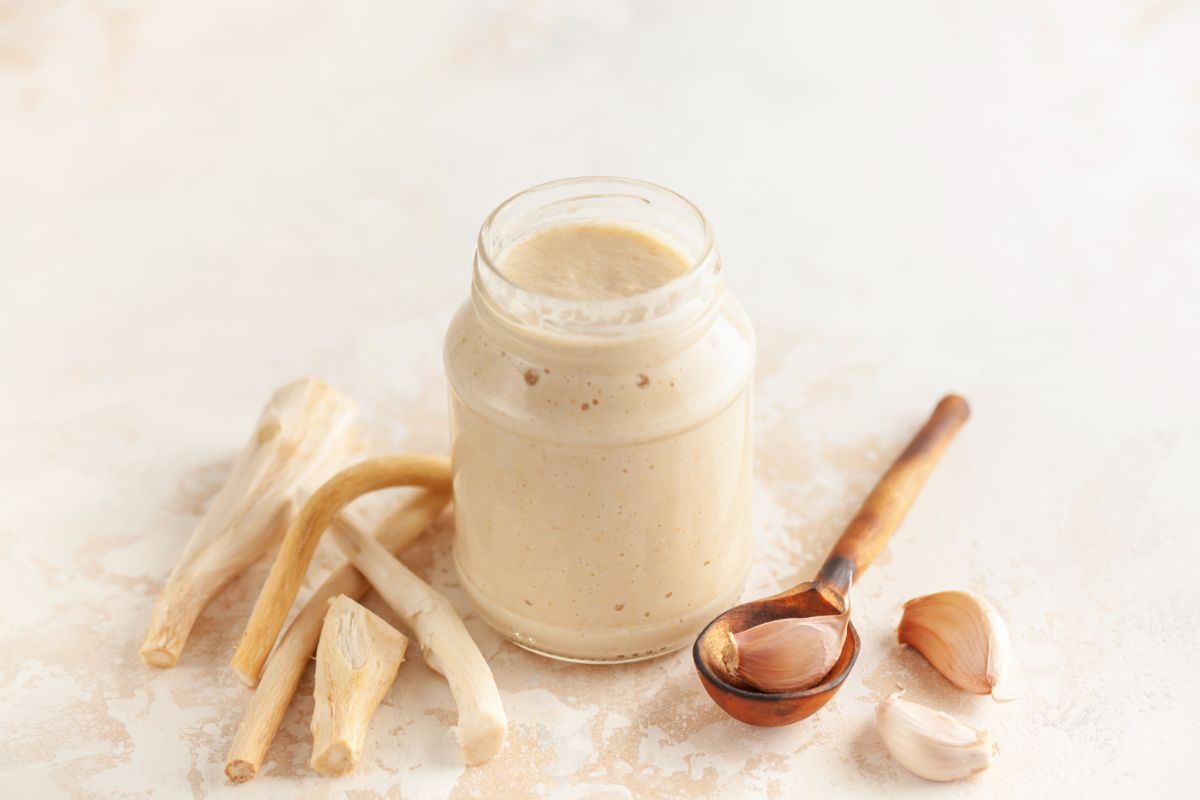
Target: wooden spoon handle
x,y
889,501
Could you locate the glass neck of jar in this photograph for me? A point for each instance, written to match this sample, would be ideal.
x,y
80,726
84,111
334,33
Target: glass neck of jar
x,y
674,329
665,318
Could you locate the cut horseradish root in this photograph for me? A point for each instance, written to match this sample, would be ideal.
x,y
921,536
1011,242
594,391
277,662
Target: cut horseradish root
x,y
357,660
447,646
286,665
305,434
300,542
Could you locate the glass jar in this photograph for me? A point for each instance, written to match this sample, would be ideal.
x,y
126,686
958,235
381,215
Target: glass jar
x,y
602,449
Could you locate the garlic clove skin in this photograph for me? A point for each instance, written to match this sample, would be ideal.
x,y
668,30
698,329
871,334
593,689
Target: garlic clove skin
x,y
789,654
962,636
932,744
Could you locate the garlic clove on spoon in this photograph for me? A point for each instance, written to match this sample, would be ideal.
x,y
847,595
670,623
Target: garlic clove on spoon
x,y
962,636
932,744
789,654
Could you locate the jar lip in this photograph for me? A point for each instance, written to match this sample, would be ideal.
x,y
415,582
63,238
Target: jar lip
x,y
487,271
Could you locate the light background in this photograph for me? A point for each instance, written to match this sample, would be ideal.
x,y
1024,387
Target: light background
x,y
201,201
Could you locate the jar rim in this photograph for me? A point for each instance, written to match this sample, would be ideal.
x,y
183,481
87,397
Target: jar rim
x,y
609,316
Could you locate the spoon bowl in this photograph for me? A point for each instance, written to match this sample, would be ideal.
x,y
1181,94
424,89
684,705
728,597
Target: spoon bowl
x,y
713,652
862,540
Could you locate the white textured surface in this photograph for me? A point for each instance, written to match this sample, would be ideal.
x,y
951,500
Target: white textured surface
x,y
199,202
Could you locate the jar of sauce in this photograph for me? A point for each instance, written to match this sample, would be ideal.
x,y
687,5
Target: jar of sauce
x,y
600,398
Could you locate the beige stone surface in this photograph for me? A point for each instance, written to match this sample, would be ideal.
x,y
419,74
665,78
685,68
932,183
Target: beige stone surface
x,y
201,201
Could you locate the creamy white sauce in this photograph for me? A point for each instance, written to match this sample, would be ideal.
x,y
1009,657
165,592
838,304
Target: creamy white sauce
x,y
592,260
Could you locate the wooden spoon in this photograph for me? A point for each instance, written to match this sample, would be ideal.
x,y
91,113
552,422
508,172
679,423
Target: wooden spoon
x,y
862,540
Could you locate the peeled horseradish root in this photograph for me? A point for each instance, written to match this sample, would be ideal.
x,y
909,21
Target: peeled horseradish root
x,y
307,432
357,659
963,637
932,744
790,654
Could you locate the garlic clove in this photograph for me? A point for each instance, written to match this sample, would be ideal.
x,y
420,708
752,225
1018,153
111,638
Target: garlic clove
x,y
962,636
790,654
932,744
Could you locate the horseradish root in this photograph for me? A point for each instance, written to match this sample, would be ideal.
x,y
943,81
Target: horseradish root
x,y
357,660
932,744
790,654
300,542
447,646
287,662
962,636
305,433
